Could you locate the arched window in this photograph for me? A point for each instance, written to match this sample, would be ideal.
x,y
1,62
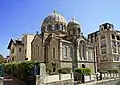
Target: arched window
x,y
38,50
53,52
65,51
49,27
53,26
71,52
71,32
80,55
113,37
57,26
61,27
102,36
34,51
54,69
82,50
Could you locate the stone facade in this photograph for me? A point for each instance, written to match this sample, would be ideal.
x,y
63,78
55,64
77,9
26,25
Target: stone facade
x,y
20,50
62,45
106,44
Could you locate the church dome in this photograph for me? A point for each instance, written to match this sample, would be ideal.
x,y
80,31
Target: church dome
x,y
54,18
73,22
54,21
73,28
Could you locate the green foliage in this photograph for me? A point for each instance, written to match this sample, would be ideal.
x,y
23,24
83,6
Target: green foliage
x,y
85,71
2,60
1,56
64,70
20,69
112,70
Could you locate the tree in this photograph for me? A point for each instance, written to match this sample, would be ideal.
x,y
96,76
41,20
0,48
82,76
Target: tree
x,y
2,60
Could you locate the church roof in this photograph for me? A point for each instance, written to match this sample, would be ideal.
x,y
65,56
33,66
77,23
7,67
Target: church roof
x,y
54,18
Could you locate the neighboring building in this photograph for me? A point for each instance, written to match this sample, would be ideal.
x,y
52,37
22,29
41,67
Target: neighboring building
x,y
27,39
62,45
106,43
20,50
7,59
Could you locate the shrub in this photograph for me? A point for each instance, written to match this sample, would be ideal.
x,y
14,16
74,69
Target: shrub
x,y
85,71
20,69
64,70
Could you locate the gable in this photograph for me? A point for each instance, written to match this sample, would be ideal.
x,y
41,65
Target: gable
x,y
51,39
36,39
10,43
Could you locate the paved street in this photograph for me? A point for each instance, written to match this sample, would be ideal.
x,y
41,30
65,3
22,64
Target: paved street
x,y
8,80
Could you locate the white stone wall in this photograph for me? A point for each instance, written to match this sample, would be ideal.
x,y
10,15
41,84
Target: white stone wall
x,y
29,40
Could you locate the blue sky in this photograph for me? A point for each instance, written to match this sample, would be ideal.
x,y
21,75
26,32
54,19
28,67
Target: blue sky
x,y
25,16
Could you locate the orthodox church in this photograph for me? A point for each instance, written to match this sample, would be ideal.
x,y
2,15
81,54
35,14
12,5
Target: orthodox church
x,y
61,44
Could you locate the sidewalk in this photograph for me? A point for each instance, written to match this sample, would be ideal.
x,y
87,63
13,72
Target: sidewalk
x,y
8,80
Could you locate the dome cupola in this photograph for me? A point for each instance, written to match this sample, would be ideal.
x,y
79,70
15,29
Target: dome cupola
x,y
73,27
73,22
54,21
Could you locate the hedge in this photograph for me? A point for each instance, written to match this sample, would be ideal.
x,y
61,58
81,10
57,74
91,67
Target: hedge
x,y
85,71
64,70
20,70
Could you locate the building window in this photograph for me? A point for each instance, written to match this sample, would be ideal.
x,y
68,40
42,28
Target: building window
x,y
54,69
114,43
114,50
65,51
38,50
34,51
25,50
19,49
118,37
103,44
57,26
118,51
26,58
83,51
12,51
117,58
53,52
113,37
118,43
71,32
53,26
61,27
102,36
89,55
103,51
13,58
71,52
